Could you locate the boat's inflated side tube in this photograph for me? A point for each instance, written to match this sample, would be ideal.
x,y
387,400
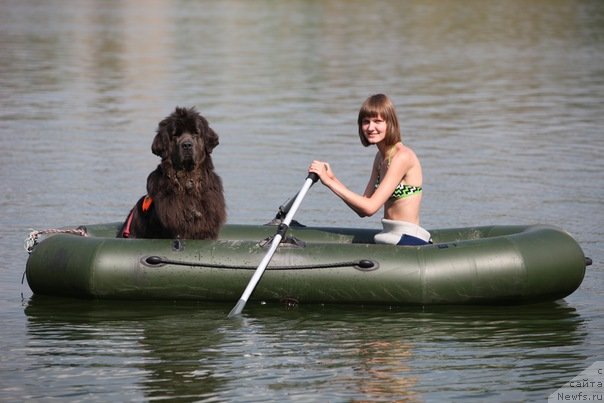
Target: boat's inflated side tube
x,y
497,264
63,265
529,264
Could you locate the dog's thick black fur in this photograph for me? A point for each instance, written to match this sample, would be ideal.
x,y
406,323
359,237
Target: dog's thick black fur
x,y
185,198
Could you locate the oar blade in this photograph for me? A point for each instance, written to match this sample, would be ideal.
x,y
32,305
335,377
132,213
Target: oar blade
x,y
237,309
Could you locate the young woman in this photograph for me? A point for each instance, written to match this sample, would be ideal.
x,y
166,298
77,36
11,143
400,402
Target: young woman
x,y
396,177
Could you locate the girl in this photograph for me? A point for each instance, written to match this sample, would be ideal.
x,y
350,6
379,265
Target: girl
x,y
396,177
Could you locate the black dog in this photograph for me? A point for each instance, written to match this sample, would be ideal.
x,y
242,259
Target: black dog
x,y
185,198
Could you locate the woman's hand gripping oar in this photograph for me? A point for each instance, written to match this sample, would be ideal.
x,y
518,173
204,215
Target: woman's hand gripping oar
x,y
310,180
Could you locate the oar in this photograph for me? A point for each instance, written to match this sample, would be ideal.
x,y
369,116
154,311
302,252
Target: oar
x,y
310,180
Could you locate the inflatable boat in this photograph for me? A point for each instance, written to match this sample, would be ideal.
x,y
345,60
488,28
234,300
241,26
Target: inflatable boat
x,y
479,265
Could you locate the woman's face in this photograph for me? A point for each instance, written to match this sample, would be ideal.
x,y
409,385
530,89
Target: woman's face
x,y
374,129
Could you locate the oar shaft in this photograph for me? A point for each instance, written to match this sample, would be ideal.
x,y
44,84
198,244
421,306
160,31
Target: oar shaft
x,y
261,267
294,207
276,240
312,178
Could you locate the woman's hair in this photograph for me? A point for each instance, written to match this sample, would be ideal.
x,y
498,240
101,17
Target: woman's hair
x,y
380,105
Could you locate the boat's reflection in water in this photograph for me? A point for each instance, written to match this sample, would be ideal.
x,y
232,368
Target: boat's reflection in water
x,y
192,350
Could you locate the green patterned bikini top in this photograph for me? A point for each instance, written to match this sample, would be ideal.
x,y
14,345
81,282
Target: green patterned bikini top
x,y
402,190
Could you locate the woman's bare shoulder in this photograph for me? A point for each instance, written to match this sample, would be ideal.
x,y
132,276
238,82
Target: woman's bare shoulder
x,y
404,153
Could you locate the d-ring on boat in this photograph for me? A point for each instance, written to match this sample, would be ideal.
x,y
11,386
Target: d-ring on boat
x,y
478,265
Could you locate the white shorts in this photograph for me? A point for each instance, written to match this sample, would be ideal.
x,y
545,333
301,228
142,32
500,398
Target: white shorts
x,y
399,232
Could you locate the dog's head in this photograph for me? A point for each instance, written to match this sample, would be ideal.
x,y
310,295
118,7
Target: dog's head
x,y
185,139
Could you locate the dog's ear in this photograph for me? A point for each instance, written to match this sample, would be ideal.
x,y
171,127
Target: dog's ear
x,y
211,140
161,142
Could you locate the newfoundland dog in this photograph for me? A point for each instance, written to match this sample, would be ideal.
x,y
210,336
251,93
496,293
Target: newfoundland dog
x,y
185,198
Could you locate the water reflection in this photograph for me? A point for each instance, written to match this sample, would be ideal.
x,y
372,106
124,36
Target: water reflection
x,y
180,349
355,353
107,345
385,371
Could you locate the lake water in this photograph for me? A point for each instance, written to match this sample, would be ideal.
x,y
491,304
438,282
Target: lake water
x,y
502,101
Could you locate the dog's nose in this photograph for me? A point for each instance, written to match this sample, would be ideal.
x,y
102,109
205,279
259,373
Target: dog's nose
x,y
187,146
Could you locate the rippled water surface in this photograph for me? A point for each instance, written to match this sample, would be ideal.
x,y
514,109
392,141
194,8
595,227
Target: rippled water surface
x,y
502,101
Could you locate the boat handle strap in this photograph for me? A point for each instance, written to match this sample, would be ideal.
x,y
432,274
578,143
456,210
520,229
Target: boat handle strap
x,y
362,265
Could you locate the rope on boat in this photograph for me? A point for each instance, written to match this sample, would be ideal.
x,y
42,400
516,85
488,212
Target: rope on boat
x,y
32,240
363,265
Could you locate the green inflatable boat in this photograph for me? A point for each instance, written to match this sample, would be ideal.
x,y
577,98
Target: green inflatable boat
x,y
481,265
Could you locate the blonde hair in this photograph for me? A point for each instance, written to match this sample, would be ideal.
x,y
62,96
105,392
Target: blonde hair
x,y
380,105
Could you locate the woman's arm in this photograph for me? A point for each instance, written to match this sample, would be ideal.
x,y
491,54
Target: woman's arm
x,y
373,200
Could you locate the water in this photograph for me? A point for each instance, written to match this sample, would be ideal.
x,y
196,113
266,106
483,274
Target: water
x,y
502,101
